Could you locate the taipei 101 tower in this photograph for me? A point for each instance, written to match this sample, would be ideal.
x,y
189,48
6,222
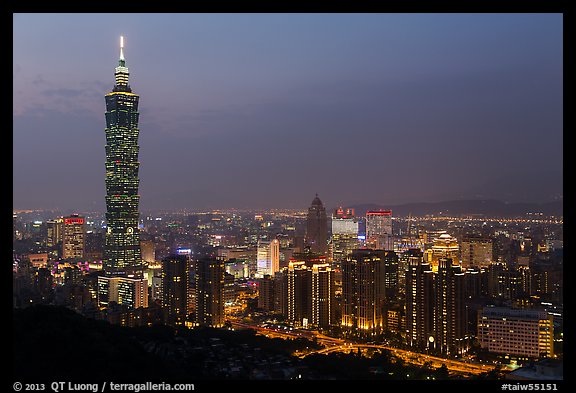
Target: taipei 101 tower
x,y
123,281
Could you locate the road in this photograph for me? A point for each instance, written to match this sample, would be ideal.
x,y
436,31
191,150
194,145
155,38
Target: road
x,y
332,344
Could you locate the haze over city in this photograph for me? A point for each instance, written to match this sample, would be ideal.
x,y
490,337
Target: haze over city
x,y
265,110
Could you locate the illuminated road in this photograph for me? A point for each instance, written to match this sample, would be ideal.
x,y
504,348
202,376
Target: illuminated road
x,y
454,366
332,344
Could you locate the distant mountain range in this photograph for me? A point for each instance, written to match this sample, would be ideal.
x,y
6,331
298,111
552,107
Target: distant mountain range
x,y
487,207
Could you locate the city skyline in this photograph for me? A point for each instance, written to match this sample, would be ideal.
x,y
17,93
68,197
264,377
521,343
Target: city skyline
x,y
397,107
432,250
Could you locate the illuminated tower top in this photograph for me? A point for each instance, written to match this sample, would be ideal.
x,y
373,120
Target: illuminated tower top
x,y
121,74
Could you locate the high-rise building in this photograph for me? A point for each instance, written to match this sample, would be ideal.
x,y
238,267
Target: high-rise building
x,y
122,262
391,274
476,251
364,290
54,232
322,296
317,227
122,254
175,289
268,257
518,332
419,301
379,229
443,246
266,293
344,234
73,239
148,251
298,291
450,324
127,291
210,292
281,292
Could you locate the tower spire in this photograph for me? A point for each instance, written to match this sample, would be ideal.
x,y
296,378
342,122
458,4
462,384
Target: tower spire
x,y
121,74
122,49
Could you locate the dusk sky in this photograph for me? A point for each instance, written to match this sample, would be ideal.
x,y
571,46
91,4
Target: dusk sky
x,y
265,110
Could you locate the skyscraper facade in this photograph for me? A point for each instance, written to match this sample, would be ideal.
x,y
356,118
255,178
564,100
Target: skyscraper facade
x,y
379,229
317,227
364,290
210,292
419,301
476,251
54,232
322,296
450,312
266,293
443,246
175,289
123,280
122,252
518,332
344,234
298,291
268,257
73,240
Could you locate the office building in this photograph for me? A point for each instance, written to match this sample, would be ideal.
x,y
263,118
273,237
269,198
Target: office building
x,y
523,333
419,302
379,229
74,237
443,246
450,324
344,234
209,292
126,291
268,257
364,291
391,275
122,263
322,296
317,227
54,232
476,251
266,293
175,281
122,253
298,291
148,251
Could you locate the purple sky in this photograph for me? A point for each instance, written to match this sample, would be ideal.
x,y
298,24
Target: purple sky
x,y
265,110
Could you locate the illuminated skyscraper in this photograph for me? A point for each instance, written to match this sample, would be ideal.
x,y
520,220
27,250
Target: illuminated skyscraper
x,y
379,229
476,251
266,293
73,240
344,234
443,246
148,251
122,262
322,296
175,289
298,291
268,257
122,253
210,292
317,227
391,274
54,232
419,301
364,290
450,312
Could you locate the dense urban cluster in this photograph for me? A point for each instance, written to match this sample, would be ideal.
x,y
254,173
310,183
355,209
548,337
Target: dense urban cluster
x,y
471,289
